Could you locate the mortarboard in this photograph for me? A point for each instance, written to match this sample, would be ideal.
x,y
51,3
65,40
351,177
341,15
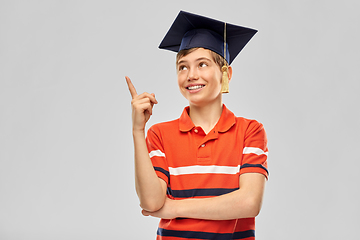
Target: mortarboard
x,y
190,31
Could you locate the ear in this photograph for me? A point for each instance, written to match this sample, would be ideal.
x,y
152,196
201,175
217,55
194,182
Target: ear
x,y
229,72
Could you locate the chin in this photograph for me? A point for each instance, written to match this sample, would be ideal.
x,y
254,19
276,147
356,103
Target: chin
x,y
198,102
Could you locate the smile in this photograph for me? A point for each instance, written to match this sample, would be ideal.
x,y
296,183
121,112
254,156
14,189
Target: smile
x,y
195,87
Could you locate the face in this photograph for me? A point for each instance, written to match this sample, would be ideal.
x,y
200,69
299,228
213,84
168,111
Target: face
x,y
199,77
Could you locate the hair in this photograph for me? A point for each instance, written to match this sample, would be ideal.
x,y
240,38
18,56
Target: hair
x,y
218,59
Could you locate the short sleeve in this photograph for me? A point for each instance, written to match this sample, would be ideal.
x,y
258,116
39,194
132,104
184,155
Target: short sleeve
x,y
157,154
255,151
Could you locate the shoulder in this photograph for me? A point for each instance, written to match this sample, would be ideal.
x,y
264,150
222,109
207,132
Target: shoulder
x,y
164,126
241,125
252,131
248,122
241,122
162,132
249,127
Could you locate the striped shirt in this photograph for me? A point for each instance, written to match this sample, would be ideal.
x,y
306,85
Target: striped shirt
x,y
199,165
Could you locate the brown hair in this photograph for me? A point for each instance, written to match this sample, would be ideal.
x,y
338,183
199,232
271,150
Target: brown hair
x,y
219,60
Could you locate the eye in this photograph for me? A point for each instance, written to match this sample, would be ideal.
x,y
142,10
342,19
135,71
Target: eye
x,y
203,64
182,67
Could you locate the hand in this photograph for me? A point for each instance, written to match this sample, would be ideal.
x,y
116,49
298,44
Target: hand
x,y
168,211
142,106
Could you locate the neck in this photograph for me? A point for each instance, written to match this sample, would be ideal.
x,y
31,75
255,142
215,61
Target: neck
x,y
206,116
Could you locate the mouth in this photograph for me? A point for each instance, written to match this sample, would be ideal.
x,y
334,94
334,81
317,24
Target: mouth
x,y
195,87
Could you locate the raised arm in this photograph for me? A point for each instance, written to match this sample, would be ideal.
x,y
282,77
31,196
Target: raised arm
x,y
150,189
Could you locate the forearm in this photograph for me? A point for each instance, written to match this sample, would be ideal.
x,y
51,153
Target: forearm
x,y
243,203
149,188
233,205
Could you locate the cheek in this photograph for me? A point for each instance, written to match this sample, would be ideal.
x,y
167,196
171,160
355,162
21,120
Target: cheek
x,y
217,76
220,74
182,77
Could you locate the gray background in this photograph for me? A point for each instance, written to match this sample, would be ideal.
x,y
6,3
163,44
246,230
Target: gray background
x,y
66,153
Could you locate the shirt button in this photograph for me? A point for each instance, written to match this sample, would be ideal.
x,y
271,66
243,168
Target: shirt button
x,y
196,131
202,145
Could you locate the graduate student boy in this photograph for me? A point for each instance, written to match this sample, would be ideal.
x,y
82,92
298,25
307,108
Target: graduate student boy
x,y
204,173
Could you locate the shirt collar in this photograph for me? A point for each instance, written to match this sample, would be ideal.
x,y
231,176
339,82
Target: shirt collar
x,y
226,121
185,123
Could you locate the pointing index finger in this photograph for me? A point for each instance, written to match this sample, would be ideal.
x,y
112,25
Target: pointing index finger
x,y
131,87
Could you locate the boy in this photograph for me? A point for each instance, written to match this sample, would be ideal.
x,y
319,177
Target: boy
x,y
203,174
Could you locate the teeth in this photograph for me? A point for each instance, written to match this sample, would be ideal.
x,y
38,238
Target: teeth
x,y
195,87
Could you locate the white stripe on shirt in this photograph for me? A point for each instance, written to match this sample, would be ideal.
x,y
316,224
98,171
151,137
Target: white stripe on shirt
x,y
197,169
157,153
254,150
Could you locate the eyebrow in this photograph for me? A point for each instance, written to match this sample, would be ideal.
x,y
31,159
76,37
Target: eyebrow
x,y
199,59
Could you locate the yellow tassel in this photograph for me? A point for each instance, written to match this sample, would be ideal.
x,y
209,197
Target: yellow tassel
x,y
225,80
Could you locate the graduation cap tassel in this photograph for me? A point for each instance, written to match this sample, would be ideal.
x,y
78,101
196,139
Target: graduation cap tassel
x,y
225,80
224,69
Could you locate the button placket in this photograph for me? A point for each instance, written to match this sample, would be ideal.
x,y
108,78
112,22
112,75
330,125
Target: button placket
x,y
204,153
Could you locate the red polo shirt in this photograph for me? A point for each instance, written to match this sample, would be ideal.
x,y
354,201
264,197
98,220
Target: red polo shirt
x,y
199,165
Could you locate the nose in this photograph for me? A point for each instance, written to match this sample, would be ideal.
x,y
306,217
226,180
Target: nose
x,y
193,74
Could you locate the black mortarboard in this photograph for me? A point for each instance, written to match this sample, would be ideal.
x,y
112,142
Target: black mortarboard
x,y
190,31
